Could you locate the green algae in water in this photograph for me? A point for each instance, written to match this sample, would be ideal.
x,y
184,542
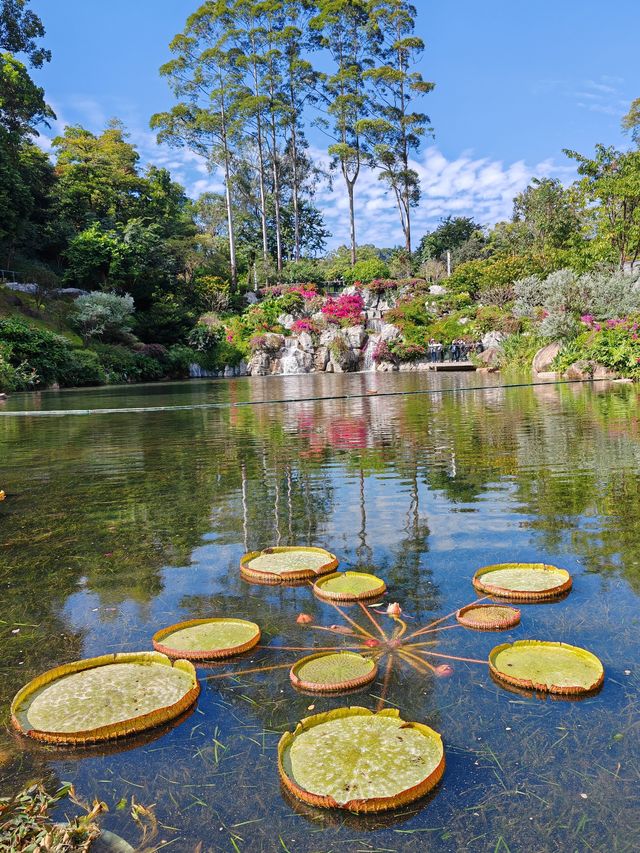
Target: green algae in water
x,y
555,667
350,585
103,696
338,671
358,757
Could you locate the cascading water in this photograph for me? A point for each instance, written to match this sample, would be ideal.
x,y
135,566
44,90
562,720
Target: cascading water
x,y
292,362
368,364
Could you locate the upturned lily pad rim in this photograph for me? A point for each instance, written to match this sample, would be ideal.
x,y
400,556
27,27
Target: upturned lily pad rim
x,y
373,804
293,576
321,591
334,687
204,654
528,684
482,583
112,731
465,617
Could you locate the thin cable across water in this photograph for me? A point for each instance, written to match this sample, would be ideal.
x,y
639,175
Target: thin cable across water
x,y
56,413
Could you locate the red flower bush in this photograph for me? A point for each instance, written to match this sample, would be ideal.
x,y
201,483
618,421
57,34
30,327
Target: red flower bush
x,y
346,309
300,326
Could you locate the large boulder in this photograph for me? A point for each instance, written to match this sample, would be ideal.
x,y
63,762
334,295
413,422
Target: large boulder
x,y
493,340
321,359
273,343
356,337
490,360
386,367
259,364
584,369
544,358
389,332
286,320
305,342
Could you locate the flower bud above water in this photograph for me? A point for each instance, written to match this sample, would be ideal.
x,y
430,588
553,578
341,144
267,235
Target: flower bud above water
x,y
304,619
394,609
444,670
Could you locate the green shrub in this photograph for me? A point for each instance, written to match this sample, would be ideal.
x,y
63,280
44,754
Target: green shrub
x,y
83,368
518,351
122,365
103,315
616,346
178,360
366,271
475,276
36,350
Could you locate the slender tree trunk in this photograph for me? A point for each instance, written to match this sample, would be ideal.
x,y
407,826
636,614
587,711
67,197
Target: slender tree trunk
x,y
295,189
263,195
352,221
227,190
276,192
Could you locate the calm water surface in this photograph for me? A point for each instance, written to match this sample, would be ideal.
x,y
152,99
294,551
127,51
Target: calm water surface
x,y
118,524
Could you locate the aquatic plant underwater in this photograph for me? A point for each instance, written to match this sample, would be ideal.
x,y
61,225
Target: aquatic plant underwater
x,y
352,757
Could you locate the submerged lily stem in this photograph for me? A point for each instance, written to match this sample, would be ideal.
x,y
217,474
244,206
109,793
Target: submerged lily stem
x,y
385,684
377,625
444,619
246,671
416,663
348,619
451,657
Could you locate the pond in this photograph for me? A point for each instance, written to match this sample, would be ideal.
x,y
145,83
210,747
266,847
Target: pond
x,y
119,523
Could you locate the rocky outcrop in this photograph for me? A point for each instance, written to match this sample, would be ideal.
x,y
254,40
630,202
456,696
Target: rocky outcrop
x,y
584,369
490,360
544,358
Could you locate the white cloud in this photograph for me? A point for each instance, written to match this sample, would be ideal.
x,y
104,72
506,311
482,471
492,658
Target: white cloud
x,y
467,185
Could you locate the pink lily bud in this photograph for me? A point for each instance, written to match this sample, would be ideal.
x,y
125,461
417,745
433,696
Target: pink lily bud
x,y
304,619
444,670
394,610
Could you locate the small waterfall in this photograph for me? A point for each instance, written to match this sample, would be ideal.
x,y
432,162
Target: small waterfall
x,y
368,364
292,361
197,372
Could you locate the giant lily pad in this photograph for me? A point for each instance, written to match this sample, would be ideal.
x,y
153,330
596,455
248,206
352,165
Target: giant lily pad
x,y
104,698
354,759
523,581
332,672
488,617
547,666
207,639
349,586
286,565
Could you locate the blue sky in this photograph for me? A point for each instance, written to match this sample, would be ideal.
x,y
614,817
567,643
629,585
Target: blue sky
x,y
515,84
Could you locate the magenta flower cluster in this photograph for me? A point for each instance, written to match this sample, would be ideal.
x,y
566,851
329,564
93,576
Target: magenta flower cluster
x,y
345,309
300,326
307,291
623,323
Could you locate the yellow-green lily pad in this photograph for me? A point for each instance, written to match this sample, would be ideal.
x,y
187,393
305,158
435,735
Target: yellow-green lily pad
x,y
287,564
331,672
104,698
354,759
547,666
522,581
349,586
207,639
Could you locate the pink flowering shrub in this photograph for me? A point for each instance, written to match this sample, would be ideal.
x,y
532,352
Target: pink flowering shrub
x,y
307,291
301,326
383,352
345,309
614,343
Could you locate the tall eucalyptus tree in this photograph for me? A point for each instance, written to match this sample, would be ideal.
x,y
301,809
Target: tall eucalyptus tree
x,y
206,78
300,85
343,28
397,129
